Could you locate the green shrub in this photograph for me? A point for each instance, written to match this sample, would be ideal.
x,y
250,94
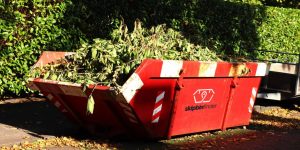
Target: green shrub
x,y
282,3
275,3
280,31
26,28
111,62
252,2
231,28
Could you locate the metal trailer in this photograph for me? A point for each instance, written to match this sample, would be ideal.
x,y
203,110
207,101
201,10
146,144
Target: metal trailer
x,y
161,99
282,81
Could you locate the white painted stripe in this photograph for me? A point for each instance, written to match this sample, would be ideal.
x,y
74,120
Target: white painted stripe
x,y
50,96
160,97
251,102
207,69
131,86
57,104
157,109
254,92
250,110
171,68
261,69
155,120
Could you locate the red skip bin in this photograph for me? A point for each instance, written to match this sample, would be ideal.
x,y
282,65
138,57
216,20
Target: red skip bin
x,y
162,98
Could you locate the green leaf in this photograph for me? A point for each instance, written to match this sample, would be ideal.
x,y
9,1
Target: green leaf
x,y
84,87
90,105
127,69
53,77
94,53
46,75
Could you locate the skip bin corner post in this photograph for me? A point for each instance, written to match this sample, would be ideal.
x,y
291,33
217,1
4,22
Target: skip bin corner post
x,y
242,95
127,115
55,97
233,85
178,87
131,98
51,90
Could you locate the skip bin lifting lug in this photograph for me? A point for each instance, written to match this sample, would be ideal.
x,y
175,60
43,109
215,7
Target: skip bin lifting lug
x,y
179,82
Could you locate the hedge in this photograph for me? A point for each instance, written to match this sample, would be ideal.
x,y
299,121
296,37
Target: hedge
x,y
26,28
280,32
231,28
275,3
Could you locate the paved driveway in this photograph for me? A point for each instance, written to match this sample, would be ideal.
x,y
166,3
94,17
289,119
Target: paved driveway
x,y
30,119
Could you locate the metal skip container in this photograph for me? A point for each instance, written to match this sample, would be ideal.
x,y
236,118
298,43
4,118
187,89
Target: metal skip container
x,y
161,99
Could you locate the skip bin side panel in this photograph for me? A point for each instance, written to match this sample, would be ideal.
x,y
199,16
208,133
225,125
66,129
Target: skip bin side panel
x,y
71,101
240,109
103,121
150,96
201,104
56,101
152,105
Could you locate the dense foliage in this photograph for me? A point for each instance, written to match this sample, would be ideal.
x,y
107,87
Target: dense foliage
x,y
280,32
231,28
110,62
275,3
26,28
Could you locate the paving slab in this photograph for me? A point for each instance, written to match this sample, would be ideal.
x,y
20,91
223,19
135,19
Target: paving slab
x,y
29,119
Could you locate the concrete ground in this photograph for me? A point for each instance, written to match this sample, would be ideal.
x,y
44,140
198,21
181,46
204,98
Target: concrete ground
x,y
30,119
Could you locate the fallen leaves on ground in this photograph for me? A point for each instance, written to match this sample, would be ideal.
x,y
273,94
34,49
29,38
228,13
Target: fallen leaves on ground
x,y
270,119
59,142
276,118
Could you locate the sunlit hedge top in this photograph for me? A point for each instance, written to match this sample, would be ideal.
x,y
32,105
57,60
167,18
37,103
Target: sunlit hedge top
x,y
229,28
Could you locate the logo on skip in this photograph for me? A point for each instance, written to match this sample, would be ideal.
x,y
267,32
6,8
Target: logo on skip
x,y
203,95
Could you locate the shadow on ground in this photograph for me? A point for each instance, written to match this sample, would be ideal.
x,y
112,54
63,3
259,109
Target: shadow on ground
x,y
41,118
36,117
